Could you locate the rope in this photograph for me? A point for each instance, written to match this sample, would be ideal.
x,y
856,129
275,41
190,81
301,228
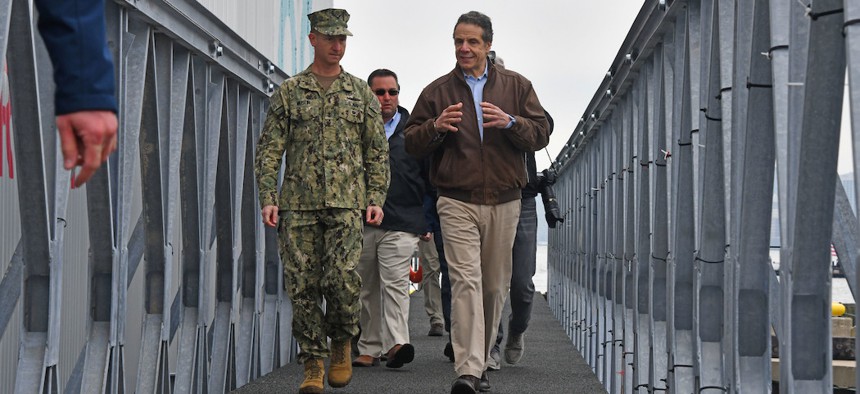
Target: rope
x,y
769,52
816,15
757,85
709,262
705,110
847,23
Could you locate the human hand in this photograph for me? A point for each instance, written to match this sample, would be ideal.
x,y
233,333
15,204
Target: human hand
x,y
494,116
449,118
374,215
87,138
426,237
270,215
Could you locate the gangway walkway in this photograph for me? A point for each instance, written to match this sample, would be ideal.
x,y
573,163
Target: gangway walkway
x,y
159,276
550,364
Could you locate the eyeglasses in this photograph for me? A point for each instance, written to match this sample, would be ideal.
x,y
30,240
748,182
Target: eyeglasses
x,y
391,92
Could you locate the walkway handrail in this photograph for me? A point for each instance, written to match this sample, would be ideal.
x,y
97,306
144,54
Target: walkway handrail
x,y
661,273
158,275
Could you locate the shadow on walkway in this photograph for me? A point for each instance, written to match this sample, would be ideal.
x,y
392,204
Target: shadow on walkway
x,y
550,364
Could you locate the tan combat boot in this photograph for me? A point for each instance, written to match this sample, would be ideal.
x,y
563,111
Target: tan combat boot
x,y
340,367
314,372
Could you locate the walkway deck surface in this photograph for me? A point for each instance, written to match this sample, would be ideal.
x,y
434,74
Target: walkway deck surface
x,y
550,364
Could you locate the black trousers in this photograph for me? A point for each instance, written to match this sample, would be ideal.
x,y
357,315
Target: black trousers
x,y
446,281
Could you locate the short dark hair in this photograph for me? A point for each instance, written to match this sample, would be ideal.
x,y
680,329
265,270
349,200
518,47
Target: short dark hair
x,y
478,19
382,72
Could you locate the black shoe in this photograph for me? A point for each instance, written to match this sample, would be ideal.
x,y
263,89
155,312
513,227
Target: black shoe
x,y
449,351
484,384
465,384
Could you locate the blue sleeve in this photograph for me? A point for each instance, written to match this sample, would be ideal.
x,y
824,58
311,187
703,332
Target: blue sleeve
x,y
74,32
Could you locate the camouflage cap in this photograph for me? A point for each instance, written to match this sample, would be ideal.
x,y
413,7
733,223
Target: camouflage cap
x,y
330,21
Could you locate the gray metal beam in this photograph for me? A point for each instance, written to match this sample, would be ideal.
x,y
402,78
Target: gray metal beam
x,y
630,283
46,188
682,220
10,287
644,330
619,263
222,376
709,279
208,35
151,370
852,43
752,315
655,124
806,318
193,352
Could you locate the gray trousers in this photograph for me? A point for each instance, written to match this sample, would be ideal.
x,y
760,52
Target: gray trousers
x,y
522,270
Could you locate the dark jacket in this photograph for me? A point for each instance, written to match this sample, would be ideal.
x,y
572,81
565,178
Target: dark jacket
x,y
533,186
531,189
74,33
404,203
463,167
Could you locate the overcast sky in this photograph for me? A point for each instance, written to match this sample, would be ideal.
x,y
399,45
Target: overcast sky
x,y
563,47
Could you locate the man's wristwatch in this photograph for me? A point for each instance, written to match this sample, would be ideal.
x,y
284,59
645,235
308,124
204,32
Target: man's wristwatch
x,y
437,128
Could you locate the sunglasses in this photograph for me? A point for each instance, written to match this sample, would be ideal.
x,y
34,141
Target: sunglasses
x,y
391,92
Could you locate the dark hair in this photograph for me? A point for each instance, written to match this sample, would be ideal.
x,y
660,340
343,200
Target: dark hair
x,y
478,19
382,72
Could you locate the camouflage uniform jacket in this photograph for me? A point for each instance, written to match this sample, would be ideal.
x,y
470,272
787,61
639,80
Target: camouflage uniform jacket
x,y
336,151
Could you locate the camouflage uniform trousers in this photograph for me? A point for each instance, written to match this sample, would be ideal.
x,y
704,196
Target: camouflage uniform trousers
x,y
320,250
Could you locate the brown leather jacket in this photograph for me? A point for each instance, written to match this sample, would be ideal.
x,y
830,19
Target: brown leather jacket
x,y
463,167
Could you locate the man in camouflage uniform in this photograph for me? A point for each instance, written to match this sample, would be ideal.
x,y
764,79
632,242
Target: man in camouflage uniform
x,y
327,125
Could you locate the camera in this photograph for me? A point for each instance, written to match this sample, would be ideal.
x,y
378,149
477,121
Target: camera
x,y
546,179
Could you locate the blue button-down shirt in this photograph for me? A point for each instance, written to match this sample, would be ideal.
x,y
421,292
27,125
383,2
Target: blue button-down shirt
x,y
477,86
391,125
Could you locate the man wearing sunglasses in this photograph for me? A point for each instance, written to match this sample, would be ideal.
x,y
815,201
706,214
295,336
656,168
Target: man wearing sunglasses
x,y
477,123
327,127
388,248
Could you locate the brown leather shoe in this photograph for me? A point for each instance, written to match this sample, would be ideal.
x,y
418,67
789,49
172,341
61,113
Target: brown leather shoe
x,y
314,372
365,361
339,367
399,355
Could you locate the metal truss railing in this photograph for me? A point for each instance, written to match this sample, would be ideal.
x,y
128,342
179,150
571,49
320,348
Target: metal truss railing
x,y
661,274
158,276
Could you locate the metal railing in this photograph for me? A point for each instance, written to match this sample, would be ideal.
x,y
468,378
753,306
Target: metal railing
x,y
158,275
661,274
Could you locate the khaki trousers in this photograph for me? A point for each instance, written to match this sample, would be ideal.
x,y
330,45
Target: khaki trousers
x,y
430,280
384,270
478,241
